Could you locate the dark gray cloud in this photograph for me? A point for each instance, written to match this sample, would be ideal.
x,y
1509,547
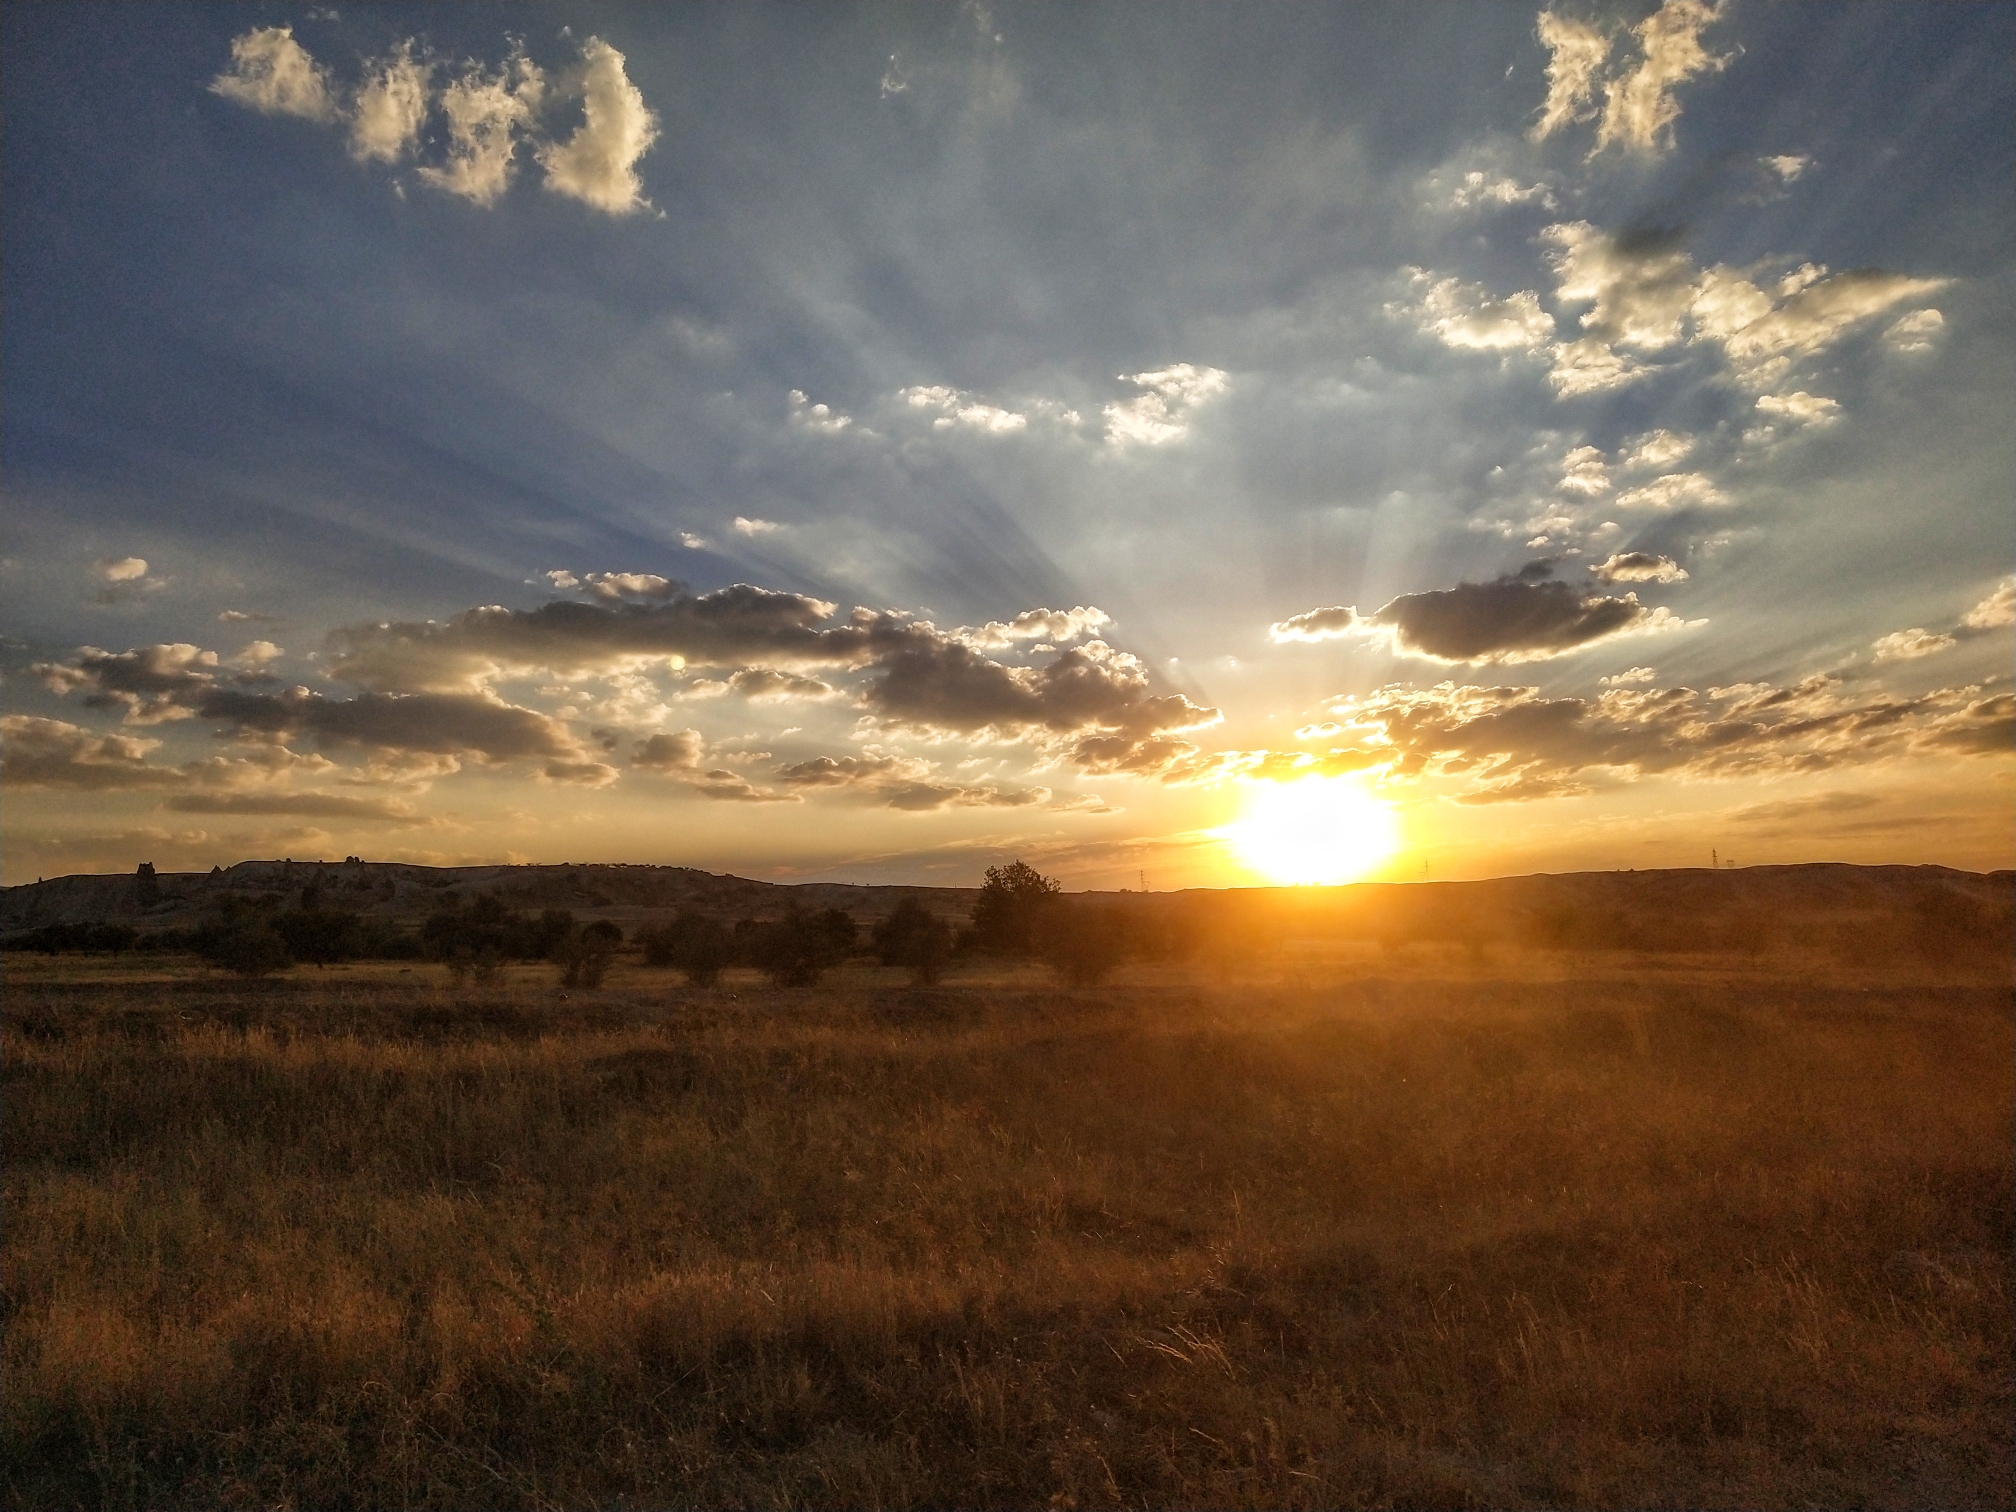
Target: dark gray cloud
x,y
52,753
733,627
1513,619
682,756
917,675
307,805
905,783
163,682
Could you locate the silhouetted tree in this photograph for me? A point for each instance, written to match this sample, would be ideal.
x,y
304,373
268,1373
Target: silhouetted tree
x,y
1013,902
915,937
249,946
795,949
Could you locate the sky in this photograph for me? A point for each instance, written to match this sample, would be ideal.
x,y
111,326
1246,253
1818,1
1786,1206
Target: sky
x,y
1188,445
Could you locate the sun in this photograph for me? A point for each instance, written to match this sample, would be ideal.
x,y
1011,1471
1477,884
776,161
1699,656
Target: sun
x,y
1317,830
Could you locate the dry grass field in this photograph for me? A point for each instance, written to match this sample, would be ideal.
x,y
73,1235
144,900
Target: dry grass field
x,y
1404,1230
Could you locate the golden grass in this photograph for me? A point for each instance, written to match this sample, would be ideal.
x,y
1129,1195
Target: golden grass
x,y
1496,1237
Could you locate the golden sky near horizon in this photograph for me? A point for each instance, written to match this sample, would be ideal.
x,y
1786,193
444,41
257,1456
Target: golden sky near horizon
x,y
865,445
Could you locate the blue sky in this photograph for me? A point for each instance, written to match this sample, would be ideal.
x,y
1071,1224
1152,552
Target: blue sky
x,y
1585,430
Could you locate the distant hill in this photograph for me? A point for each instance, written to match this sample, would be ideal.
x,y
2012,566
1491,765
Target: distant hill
x,y
1606,904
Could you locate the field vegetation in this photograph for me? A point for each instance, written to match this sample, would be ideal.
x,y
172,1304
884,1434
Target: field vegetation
x,y
1428,1221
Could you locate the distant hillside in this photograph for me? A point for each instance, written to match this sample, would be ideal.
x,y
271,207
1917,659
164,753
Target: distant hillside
x,y
1599,904
394,890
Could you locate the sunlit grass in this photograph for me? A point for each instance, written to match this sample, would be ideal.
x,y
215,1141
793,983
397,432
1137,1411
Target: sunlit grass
x,y
1317,830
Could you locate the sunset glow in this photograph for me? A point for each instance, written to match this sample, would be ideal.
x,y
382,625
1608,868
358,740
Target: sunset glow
x,y
1318,830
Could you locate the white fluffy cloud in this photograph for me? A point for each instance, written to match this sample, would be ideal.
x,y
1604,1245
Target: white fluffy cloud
x,y
1656,450
274,74
487,112
1917,332
822,418
1995,612
390,107
1330,623
1638,107
1907,645
1639,95
1674,491
1162,414
122,569
598,163
1583,472
1055,625
1466,316
1576,52
1639,567
954,409
1645,296
1478,190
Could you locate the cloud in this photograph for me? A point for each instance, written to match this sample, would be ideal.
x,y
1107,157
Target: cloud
x,y
903,782
43,753
1674,491
1034,625
180,681
1317,625
1639,567
310,805
1646,295
762,685
486,114
1799,408
256,656
1787,166
122,569
814,417
1658,449
1762,337
1514,619
390,107
620,587
1510,743
1629,677
1995,612
917,675
274,74
1161,415
1478,189
1576,53
1591,365
150,683
682,757
730,627
1465,316
962,410
1908,645
1092,699
1917,332
1583,472
1639,288
598,163
1638,107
